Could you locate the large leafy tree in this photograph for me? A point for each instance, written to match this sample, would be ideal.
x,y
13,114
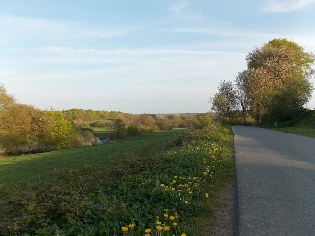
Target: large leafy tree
x,y
224,102
278,80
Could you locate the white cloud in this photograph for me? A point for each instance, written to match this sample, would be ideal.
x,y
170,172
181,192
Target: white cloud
x,y
279,6
21,29
179,7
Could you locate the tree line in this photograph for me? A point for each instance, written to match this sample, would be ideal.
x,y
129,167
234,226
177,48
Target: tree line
x,y
26,129
274,87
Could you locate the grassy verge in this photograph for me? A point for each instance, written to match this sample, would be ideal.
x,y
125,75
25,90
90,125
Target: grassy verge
x,y
153,192
309,132
35,166
303,124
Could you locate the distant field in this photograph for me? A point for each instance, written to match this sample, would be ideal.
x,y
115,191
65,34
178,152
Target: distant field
x,y
102,133
34,166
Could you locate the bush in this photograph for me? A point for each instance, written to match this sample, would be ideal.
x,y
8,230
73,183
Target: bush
x,y
63,132
133,130
119,131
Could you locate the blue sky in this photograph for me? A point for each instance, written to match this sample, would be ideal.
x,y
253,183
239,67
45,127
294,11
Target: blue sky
x,y
138,56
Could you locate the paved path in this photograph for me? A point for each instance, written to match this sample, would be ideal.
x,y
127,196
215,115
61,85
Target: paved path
x,y
275,175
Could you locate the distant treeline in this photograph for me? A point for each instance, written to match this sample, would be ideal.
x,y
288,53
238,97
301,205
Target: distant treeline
x,y
147,122
26,129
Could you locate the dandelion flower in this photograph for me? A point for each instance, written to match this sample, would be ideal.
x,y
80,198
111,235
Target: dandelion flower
x,y
124,229
175,177
166,215
162,185
183,234
147,231
159,227
158,222
175,224
206,195
186,202
166,228
172,217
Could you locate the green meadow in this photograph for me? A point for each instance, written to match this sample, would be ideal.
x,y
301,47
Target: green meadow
x,y
35,166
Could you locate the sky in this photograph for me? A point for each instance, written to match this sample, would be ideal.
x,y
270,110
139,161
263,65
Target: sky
x,y
138,56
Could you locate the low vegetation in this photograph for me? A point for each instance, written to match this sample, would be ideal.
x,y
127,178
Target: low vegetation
x,y
157,191
303,124
33,167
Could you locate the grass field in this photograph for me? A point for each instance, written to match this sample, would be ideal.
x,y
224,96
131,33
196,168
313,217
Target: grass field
x,y
33,167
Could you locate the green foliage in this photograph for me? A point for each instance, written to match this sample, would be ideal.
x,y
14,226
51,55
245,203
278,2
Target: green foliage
x,y
63,132
170,184
133,130
224,103
119,131
279,70
288,101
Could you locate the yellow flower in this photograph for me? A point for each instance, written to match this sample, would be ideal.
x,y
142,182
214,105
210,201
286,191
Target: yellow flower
x,y
175,177
132,226
162,185
190,192
159,227
175,224
205,173
147,235
173,189
166,215
183,234
166,228
125,229
158,222
206,195
147,231
186,202
172,217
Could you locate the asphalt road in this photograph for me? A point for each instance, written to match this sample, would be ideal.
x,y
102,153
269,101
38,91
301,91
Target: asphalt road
x,y
275,174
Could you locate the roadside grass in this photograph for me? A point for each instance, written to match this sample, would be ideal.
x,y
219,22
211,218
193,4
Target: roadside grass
x,y
308,132
304,125
32,167
148,190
